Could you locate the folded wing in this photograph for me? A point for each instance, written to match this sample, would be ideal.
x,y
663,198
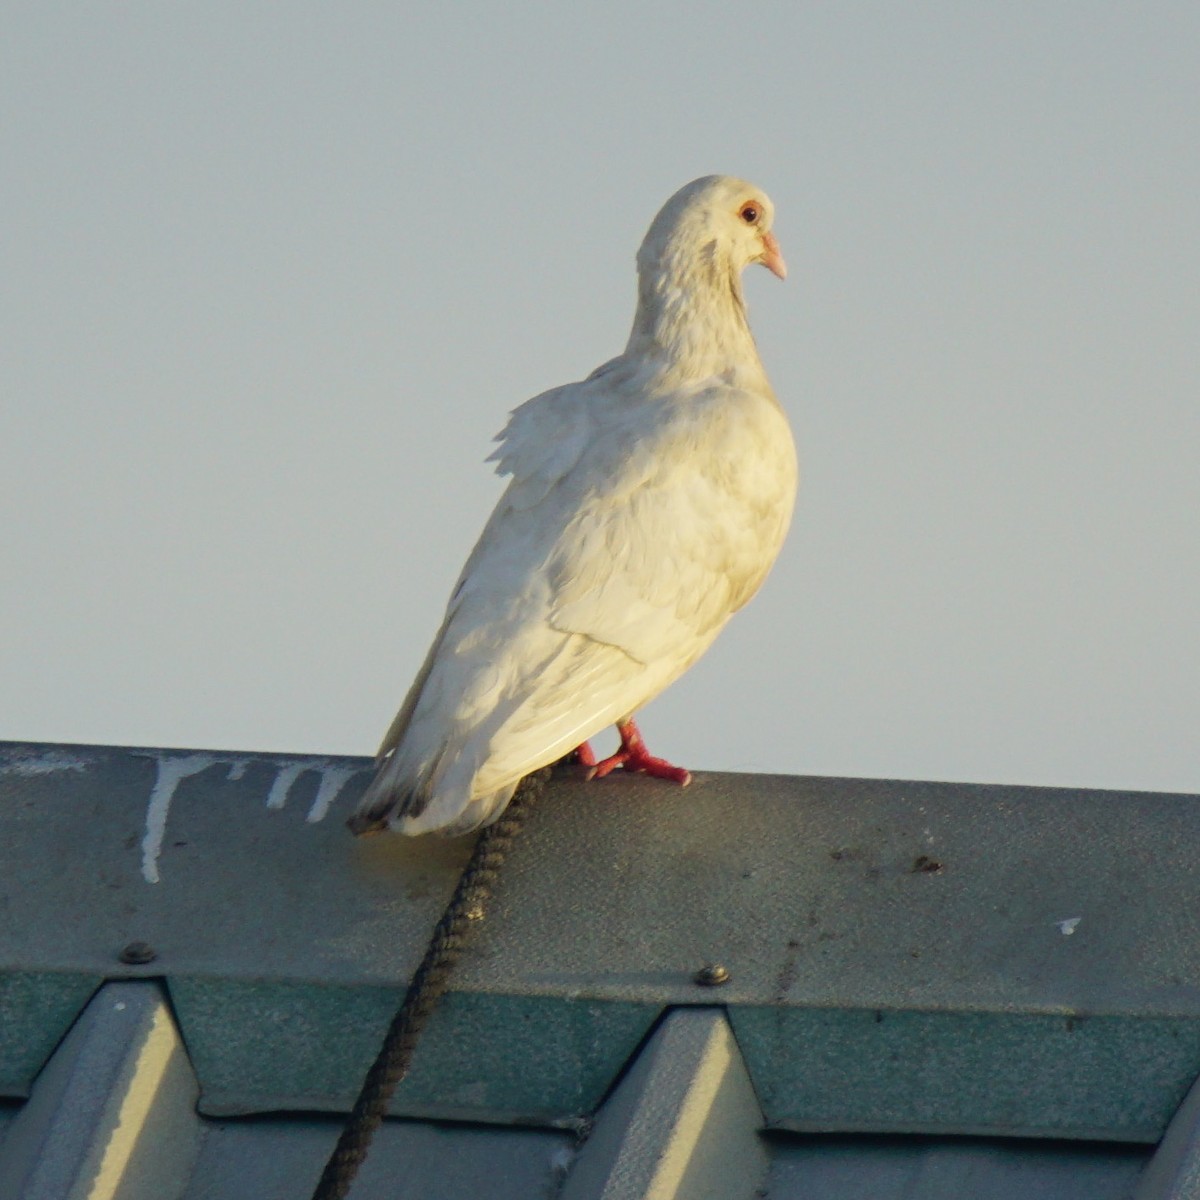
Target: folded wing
x,y
613,559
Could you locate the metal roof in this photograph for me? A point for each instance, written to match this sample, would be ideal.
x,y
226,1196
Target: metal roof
x,y
935,989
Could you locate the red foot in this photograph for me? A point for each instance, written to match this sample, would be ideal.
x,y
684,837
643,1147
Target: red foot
x,y
632,756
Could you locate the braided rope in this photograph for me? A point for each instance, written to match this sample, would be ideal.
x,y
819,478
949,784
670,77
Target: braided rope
x,y
425,990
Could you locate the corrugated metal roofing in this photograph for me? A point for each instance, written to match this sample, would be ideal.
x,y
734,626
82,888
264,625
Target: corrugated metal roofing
x,y
963,965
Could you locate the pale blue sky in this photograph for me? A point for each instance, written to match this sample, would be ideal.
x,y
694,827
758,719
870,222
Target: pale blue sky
x,y
272,277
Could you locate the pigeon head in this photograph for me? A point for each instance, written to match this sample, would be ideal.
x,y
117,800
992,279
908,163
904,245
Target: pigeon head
x,y
716,217
690,302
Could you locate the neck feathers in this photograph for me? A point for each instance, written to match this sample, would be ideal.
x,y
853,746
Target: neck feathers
x,y
691,314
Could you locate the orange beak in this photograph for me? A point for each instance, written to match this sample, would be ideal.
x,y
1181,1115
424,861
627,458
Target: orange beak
x,y
772,258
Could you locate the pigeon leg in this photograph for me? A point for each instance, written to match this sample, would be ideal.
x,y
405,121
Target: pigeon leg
x,y
633,756
584,755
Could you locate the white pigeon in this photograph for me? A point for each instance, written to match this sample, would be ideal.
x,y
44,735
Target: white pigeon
x,y
646,505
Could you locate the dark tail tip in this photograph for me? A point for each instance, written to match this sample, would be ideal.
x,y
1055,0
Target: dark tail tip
x,y
366,824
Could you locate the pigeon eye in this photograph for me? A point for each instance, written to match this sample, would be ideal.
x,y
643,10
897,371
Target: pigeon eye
x,y
749,213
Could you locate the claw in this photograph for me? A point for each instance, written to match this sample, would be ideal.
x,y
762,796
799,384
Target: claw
x,y
632,756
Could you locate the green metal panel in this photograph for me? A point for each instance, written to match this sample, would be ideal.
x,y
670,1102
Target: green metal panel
x,y
36,1010
1106,1078
530,1059
1034,953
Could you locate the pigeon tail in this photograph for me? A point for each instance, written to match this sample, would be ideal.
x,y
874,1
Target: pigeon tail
x,y
391,804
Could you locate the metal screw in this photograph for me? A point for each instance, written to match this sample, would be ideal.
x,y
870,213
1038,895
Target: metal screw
x,y
137,954
711,975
